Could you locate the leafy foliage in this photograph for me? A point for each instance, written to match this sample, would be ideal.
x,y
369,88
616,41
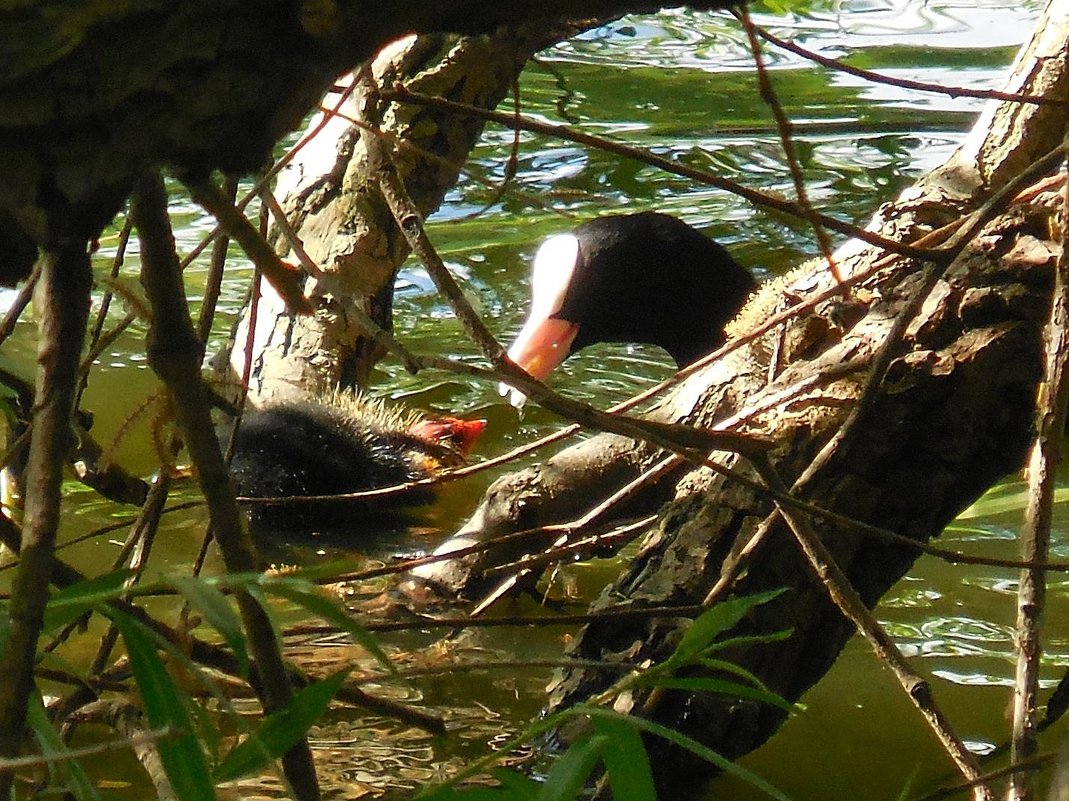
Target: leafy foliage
x,y
614,741
166,707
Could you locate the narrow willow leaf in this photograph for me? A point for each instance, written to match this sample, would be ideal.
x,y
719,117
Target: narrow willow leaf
x,y
311,598
72,602
52,745
183,760
734,670
1010,497
568,776
626,762
281,730
696,748
713,622
216,609
724,687
756,639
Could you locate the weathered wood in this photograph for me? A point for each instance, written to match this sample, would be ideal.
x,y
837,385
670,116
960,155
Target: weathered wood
x,y
174,353
952,416
333,206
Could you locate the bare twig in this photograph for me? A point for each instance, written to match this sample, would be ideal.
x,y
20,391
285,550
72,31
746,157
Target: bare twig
x,y
36,760
105,302
903,83
213,282
786,136
281,275
21,301
127,720
63,292
761,199
221,659
670,436
845,597
175,353
1035,536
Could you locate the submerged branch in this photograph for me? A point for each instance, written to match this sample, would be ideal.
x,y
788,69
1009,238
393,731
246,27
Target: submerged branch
x,y
846,598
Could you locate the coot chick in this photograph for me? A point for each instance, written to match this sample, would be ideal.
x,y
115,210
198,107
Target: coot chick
x,y
644,278
348,444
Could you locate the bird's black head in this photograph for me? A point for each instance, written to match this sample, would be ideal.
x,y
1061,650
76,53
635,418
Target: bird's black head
x,y
653,279
644,278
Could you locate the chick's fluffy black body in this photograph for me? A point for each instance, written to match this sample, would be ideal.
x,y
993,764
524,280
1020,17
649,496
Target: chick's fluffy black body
x,y
310,448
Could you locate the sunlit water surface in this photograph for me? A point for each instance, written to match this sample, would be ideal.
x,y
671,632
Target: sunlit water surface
x,y
682,84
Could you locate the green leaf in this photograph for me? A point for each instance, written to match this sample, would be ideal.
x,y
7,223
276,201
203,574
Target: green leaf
x,y
700,750
626,761
713,622
1011,496
52,745
281,730
72,602
568,776
756,639
216,609
724,687
312,599
183,760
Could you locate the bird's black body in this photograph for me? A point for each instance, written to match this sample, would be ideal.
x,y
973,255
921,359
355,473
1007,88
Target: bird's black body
x,y
651,278
311,448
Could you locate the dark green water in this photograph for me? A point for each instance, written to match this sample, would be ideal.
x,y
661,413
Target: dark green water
x,y
682,84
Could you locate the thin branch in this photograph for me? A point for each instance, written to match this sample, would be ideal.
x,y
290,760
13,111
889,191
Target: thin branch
x,y
786,136
127,720
106,746
666,435
63,292
1035,536
105,303
21,301
845,597
213,281
292,239
283,277
903,83
174,352
765,200
221,659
